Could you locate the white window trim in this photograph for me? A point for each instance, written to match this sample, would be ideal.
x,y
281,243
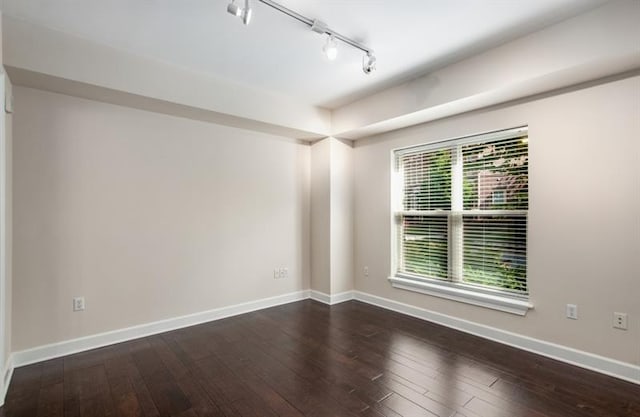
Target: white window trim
x,y
464,294
450,290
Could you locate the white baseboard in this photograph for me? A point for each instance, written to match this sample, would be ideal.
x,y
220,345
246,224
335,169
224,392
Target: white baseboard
x,y
331,299
607,366
55,350
7,373
618,369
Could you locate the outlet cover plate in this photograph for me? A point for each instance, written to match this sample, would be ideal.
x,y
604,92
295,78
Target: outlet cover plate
x,y
620,321
78,303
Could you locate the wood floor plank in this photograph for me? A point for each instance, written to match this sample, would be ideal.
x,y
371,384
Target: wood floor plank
x,y
348,373
406,408
246,372
95,393
307,359
124,397
427,403
202,405
52,372
130,393
167,395
311,396
71,392
51,401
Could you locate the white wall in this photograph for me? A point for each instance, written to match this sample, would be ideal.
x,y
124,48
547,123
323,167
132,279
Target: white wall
x,y
54,60
148,216
584,227
6,228
341,216
331,216
321,216
8,298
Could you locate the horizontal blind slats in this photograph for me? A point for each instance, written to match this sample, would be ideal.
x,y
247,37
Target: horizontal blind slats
x,y
494,252
427,180
495,174
425,246
492,225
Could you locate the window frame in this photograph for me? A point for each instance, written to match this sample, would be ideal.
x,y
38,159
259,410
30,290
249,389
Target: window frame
x,y
515,303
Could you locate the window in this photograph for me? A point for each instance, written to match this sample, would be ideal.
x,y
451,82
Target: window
x,y
498,196
460,219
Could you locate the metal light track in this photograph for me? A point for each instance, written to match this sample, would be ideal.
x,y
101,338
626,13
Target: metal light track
x,y
310,22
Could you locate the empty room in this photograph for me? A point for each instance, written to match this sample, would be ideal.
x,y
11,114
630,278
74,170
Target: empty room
x,y
306,208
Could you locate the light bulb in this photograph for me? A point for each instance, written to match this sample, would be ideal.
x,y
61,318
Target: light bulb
x,y
331,48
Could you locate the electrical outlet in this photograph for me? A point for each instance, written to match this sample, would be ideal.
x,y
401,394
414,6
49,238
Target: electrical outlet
x,y
366,271
620,321
572,311
280,273
78,303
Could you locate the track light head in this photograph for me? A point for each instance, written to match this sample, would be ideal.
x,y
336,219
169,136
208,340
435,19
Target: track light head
x,y
243,13
246,13
234,9
330,48
369,62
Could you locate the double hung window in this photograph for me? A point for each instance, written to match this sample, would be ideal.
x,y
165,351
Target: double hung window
x,y
460,216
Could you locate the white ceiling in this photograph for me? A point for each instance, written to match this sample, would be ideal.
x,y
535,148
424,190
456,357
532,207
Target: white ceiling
x,y
278,54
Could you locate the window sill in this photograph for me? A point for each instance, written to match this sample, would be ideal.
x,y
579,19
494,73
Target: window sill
x,y
454,292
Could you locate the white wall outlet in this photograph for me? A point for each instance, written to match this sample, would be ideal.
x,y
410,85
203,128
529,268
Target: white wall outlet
x,y
280,273
366,271
572,311
620,320
78,303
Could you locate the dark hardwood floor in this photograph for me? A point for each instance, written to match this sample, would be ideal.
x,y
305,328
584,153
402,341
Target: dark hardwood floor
x,y
309,359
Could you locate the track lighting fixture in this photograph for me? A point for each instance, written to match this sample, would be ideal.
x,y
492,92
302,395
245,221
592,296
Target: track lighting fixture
x,y
369,62
242,12
330,48
234,9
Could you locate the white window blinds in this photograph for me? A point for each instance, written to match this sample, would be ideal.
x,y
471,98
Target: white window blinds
x,y
460,211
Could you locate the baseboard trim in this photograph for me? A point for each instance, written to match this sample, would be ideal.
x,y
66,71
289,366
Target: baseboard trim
x,y
7,374
331,299
607,366
68,347
601,364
